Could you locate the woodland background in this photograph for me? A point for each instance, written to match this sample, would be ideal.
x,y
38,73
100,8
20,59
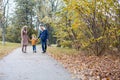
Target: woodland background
x,y
90,26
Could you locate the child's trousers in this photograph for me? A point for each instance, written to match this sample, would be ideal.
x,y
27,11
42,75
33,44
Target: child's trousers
x,y
34,47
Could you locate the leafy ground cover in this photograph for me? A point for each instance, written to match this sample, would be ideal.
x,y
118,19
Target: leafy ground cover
x,y
82,66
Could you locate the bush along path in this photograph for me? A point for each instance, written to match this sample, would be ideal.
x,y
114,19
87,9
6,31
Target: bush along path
x,y
29,66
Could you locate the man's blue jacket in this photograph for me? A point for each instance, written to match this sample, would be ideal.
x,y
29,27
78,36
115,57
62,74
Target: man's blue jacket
x,y
43,35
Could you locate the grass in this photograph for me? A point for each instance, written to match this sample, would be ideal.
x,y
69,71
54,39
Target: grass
x,y
7,48
58,50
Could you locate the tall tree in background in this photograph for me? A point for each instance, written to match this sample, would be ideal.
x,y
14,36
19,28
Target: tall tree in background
x,y
4,17
46,10
0,19
24,13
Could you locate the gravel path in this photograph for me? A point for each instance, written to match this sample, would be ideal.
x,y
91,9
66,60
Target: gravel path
x,y
29,66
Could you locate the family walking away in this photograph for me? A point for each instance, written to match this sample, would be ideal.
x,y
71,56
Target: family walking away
x,y
43,35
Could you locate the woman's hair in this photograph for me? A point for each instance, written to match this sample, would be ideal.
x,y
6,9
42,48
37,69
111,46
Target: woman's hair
x,y
23,31
24,27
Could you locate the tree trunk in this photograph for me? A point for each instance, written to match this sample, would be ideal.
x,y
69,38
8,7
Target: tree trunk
x,y
3,35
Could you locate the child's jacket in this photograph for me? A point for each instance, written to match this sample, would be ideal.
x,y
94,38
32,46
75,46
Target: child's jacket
x,y
33,41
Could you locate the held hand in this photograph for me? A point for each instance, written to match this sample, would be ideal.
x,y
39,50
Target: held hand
x,y
38,38
48,42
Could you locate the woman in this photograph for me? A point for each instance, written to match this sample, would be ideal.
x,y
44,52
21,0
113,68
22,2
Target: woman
x,y
24,38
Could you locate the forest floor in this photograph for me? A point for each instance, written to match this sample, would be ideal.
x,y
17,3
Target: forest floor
x,y
88,67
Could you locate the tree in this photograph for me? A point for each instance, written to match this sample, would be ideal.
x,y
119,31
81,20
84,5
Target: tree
x,y
3,17
46,10
24,13
92,25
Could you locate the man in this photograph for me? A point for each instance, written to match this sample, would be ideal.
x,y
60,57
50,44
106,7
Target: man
x,y
44,37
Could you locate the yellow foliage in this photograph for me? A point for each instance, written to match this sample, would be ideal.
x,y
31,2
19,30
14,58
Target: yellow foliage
x,y
47,19
89,22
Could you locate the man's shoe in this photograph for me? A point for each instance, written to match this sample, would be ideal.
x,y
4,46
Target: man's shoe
x,y
43,52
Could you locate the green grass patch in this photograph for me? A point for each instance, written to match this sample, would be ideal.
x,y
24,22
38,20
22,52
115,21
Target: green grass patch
x,y
58,50
7,48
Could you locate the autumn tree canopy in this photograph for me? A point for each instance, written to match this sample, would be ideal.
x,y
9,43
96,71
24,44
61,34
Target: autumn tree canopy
x,y
91,25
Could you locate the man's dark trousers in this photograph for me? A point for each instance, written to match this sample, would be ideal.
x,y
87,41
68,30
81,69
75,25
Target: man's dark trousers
x,y
44,45
44,36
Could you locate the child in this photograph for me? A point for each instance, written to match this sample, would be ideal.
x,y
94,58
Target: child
x,y
33,42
